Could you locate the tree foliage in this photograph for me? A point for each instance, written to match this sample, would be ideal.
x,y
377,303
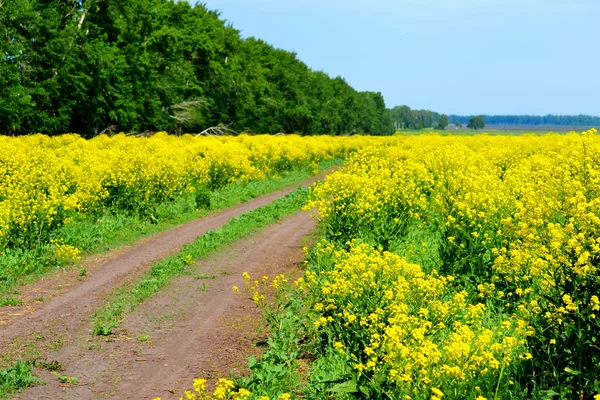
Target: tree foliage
x,y
443,122
403,117
476,122
561,120
88,65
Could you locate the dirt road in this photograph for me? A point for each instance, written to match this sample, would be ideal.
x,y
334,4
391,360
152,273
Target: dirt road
x,y
197,326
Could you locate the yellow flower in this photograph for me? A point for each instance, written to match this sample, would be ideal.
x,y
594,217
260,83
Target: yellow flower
x,y
200,385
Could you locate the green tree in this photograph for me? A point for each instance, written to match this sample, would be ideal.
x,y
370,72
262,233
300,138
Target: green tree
x,y
476,122
443,122
402,117
87,65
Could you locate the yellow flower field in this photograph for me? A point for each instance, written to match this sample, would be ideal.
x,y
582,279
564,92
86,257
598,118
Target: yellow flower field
x,y
449,267
513,222
44,180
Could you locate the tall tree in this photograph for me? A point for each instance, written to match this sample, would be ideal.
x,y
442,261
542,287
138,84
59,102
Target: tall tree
x,y
402,117
90,65
443,122
477,122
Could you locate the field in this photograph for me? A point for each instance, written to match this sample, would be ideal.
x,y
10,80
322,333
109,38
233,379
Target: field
x,y
482,253
98,227
505,130
442,267
64,195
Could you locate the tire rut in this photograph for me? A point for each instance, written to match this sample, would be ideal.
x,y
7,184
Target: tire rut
x,y
212,332
69,308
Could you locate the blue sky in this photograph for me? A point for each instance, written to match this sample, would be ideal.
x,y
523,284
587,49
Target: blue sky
x,y
451,56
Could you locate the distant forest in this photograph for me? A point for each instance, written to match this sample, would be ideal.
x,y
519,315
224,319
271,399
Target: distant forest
x,y
560,120
403,117
89,66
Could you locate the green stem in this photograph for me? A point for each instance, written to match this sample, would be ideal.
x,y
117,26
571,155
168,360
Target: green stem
x,y
499,380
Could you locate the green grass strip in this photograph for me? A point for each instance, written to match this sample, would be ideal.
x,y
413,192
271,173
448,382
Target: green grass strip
x,y
125,298
17,377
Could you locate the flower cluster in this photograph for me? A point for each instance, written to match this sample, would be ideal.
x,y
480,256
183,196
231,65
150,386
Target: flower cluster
x,y
65,253
405,331
224,389
513,220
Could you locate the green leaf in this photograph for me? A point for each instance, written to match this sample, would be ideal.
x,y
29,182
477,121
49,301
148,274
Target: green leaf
x,y
251,362
346,387
572,371
549,394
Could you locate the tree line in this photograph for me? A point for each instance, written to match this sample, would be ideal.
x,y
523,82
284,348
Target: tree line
x,y
561,120
404,118
89,66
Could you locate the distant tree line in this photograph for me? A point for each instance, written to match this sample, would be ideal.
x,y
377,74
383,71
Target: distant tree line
x,y
564,120
86,66
403,118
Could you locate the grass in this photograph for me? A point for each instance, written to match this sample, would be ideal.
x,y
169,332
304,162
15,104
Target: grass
x,y
419,245
491,132
17,377
101,233
51,366
125,298
202,276
69,380
10,301
56,344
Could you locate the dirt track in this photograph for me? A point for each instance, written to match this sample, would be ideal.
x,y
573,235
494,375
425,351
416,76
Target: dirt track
x,y
197,327
59,329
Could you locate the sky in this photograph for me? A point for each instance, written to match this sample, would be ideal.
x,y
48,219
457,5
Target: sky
x,y
452,56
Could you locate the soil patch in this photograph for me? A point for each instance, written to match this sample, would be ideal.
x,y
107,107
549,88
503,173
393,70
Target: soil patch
x,y
195,327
